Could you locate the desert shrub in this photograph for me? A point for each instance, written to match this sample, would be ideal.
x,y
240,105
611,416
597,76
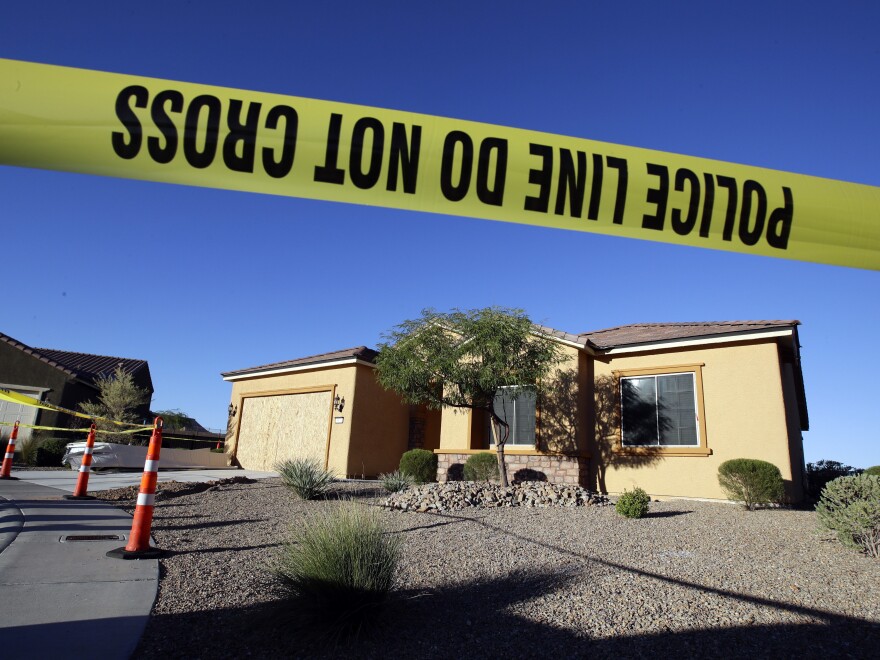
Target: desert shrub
x,y
481,467
305,477
873,470
49,452
420,464
336,571
633,503
27,449
821,472
849,508
396,481
751,481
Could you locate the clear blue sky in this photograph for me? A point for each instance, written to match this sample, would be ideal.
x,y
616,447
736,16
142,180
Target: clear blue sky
x,y
200,281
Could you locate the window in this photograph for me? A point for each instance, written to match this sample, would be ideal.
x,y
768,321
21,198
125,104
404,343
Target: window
x,y
659,410
517,407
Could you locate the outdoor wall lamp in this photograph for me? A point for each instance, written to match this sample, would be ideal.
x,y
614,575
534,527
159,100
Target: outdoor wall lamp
x,y
232,410
338,403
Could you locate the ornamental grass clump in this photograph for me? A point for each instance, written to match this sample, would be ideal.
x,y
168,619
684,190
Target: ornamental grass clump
x,y
336,571
305,477
481,467
27,449
420,464
396,481
751,481
849,508
633,503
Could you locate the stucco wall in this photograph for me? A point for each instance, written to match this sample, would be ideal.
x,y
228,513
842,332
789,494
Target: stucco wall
x,y
745,417
380,425
455,428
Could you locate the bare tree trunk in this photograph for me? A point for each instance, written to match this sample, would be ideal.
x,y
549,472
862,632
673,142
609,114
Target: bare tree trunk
x,y
497,424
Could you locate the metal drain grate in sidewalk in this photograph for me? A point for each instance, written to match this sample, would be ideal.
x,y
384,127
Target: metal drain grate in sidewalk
x,y
92,537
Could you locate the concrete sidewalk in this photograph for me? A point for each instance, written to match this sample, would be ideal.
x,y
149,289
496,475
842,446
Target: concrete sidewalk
x,y
60,596
66,479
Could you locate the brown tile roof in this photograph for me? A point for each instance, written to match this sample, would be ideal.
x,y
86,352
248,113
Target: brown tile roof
x,y
645,333
359,352
88,366
85,366
31,351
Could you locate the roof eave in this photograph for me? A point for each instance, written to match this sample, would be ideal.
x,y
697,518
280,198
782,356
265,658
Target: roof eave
x,y
242,374
702,340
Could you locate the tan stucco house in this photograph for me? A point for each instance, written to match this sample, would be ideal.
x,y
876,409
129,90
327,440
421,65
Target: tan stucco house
x,y
655,405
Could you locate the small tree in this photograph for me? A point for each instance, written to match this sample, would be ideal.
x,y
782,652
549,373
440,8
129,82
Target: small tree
x,y
462,359
118,397
174,419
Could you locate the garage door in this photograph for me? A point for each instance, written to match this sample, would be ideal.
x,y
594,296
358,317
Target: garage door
x,y
287,426
10,412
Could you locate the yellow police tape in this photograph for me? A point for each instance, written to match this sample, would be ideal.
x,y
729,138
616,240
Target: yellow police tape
x,y
36,427
23,399
144,128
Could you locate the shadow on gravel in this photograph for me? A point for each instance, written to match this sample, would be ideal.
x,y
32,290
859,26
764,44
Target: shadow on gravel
x,y
666,514
172,553
475,620
823,615
207,525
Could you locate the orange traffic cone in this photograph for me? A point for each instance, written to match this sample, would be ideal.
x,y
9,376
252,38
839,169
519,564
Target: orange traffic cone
x,y
6,470
139,540
82,480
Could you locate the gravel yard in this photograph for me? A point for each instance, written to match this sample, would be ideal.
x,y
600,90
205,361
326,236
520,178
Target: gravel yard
x,y
693,579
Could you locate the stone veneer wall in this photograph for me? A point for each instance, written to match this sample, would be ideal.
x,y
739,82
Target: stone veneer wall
x,y
571,470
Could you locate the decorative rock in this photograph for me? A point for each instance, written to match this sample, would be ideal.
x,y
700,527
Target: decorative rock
x,y
452,495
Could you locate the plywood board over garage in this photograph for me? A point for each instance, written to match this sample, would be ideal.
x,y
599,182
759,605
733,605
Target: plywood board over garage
x,y
289,410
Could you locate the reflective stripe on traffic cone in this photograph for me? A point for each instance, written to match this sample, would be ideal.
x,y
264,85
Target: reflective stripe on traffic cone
x,y
139,540
6,470
82,480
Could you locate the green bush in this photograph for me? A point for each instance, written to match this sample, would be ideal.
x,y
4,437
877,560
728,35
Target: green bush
x,y
821,472
481,467
305,477
50,452
633,503
751,481
873,470
849,508
396,481
420,464
336,571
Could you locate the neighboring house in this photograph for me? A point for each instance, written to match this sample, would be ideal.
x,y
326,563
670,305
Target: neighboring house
x,y
657,405
62,378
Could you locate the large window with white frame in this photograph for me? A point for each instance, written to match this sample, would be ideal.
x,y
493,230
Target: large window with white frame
x,y
518,407
659,410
